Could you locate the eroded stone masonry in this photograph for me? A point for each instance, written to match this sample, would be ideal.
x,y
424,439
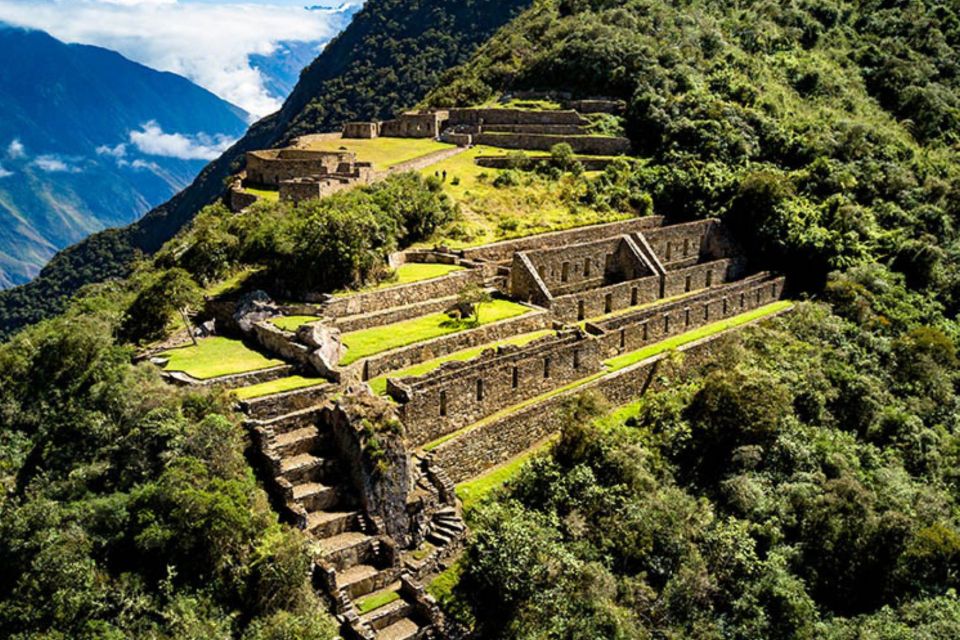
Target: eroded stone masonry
x,y
366,460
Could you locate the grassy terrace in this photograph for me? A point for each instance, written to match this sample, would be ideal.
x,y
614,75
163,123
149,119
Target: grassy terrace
x,y
216,357
270,195
280,385
379,384
292,323
408,273
384,153
624,361
374,601
368,342
490,213
476,489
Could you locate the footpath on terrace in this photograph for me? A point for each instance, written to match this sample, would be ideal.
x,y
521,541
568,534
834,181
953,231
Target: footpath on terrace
x,y
372,409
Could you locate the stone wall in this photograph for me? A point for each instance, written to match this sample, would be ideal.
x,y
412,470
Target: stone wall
x,y
414,125
503,251
403,357
505,162
515,116
543,129
632,331
443,287
703,239
497,441
698,276
347,324
271,167
592,145
598,105
460,139
460,393
363,130
238,200
580,266
598,302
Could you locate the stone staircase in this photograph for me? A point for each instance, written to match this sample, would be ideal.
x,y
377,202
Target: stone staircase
x,y
355,559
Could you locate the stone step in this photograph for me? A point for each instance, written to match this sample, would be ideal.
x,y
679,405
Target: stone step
x,y
271,407
313,496
402,629
447,531
389,613
445,511
291,421
349,549
326,524
303,440
439,539
305,468
358,580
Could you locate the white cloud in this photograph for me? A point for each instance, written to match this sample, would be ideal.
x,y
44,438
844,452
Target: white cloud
x,y
117,152
54,164
4,173
143,164
207,42
15,149
152,141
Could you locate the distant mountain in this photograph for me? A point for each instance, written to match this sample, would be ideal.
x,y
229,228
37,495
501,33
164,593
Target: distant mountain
x,y
391,55
89,140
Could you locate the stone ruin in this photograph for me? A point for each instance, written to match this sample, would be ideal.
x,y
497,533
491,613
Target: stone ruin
x,y
301,174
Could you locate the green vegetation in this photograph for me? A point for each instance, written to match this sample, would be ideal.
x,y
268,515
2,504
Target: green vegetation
x,y
292,323
376,600
472,492
280,385
533,203
365,343
270,195
384,153
215,357
128,508
410,272
627,359
379,384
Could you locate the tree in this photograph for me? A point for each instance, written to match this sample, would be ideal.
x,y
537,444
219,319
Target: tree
x,y
471,298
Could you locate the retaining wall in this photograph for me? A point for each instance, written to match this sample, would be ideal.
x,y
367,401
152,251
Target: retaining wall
x,y
503,251
592,145
542,129
477,450
405,294
460,393
422,351
698,276
515,116
504,162
594,303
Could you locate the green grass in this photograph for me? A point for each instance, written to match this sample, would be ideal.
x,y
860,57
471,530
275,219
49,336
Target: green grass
x,y
473,491
379,384
292,323
270,195
216,357
290,383
384,153
624,361
365,343
408,273
232,284
627,359
376,600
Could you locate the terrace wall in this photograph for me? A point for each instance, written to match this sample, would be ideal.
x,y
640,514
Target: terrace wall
x,y
401,295
504,162
586,265
363,130
595,302
515,116
592,145
497,441
460,393
542,129
271,167
404,357
632,331
699,276
414,125
503,251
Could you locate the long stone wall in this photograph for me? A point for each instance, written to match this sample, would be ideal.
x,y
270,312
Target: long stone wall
x,y
459,393
598,302
505,162
404,357
632,331
592,145
543,129
443,287
346,324
698,276
459,117
575,266
497,441
503,251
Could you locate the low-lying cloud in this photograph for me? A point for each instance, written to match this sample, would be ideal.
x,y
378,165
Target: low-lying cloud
x,y
151,140
207,42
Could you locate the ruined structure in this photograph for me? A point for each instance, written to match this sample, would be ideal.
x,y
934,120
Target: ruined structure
x,y
301,174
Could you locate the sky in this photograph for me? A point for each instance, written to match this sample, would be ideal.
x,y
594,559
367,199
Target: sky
x,y
207,41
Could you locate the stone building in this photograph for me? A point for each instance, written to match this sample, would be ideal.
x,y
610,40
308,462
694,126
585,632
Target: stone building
x,y
270,167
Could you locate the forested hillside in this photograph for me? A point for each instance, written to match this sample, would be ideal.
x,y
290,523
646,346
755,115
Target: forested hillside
x,y
803,484
389,57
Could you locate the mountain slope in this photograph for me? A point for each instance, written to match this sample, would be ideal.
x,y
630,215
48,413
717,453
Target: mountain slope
x,y
391,55
88,140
